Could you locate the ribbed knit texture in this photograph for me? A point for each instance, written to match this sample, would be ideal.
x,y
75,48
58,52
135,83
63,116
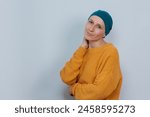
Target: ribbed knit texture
x,y
94,73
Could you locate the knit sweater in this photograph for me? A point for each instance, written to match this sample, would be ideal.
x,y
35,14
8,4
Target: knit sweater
x,y
94,73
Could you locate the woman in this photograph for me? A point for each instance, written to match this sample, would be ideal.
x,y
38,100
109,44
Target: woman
x,y
94,72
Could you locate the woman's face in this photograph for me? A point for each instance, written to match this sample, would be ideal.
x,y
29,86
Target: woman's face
x,y
94,29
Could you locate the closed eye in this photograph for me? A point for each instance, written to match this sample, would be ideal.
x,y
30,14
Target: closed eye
x,y
99,26
90,21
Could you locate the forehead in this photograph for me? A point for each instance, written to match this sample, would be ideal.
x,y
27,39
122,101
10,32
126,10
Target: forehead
x,y
97,20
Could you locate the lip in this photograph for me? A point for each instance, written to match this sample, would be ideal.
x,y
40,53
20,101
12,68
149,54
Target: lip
x,y
89,33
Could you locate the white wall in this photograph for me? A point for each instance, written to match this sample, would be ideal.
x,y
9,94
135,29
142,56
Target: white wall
x,y
37,37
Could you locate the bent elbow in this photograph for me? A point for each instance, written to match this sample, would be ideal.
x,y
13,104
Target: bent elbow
x,y
66,79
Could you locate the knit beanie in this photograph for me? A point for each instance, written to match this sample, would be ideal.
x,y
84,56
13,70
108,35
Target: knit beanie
x,y
106,17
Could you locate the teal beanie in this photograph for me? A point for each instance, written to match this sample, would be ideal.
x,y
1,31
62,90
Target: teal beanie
x,y
106,17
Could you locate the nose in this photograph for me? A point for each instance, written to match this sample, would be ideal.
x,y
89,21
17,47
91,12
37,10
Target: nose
x,y
91,28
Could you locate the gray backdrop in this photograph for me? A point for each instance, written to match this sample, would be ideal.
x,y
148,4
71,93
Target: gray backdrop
x,y
37,37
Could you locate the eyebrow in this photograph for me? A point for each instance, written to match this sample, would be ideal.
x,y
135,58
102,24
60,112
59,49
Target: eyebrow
x,y
98,23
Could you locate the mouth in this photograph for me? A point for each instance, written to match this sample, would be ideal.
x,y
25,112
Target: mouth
x,y
89,33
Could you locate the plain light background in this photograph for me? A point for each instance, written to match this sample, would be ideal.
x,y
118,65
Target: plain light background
x,y
37,37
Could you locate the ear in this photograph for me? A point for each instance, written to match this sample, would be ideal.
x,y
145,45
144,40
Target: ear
x,y
104,35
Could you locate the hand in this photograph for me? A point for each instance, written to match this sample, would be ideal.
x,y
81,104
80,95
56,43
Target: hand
x,y
85,43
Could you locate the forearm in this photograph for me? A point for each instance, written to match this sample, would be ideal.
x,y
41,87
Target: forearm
x,y
93,91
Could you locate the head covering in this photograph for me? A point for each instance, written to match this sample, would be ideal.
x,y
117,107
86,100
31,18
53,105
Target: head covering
x,y
106,17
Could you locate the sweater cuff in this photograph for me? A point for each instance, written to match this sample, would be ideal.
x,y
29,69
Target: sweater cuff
x,y
72,89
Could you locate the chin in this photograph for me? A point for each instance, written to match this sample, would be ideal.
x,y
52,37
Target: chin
x,y
90,38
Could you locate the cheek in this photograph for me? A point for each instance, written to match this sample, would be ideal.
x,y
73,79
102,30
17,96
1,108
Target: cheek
x,y
87,26
99,32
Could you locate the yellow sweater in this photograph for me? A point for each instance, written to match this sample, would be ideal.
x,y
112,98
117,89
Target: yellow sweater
x,y
94,73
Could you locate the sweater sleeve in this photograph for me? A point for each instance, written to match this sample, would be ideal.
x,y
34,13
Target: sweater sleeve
x,y
105,82
70,71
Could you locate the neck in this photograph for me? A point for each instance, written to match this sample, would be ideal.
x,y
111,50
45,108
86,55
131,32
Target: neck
x,y
97,43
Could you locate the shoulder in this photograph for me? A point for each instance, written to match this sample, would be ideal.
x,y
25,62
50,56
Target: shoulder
x,y
111,51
